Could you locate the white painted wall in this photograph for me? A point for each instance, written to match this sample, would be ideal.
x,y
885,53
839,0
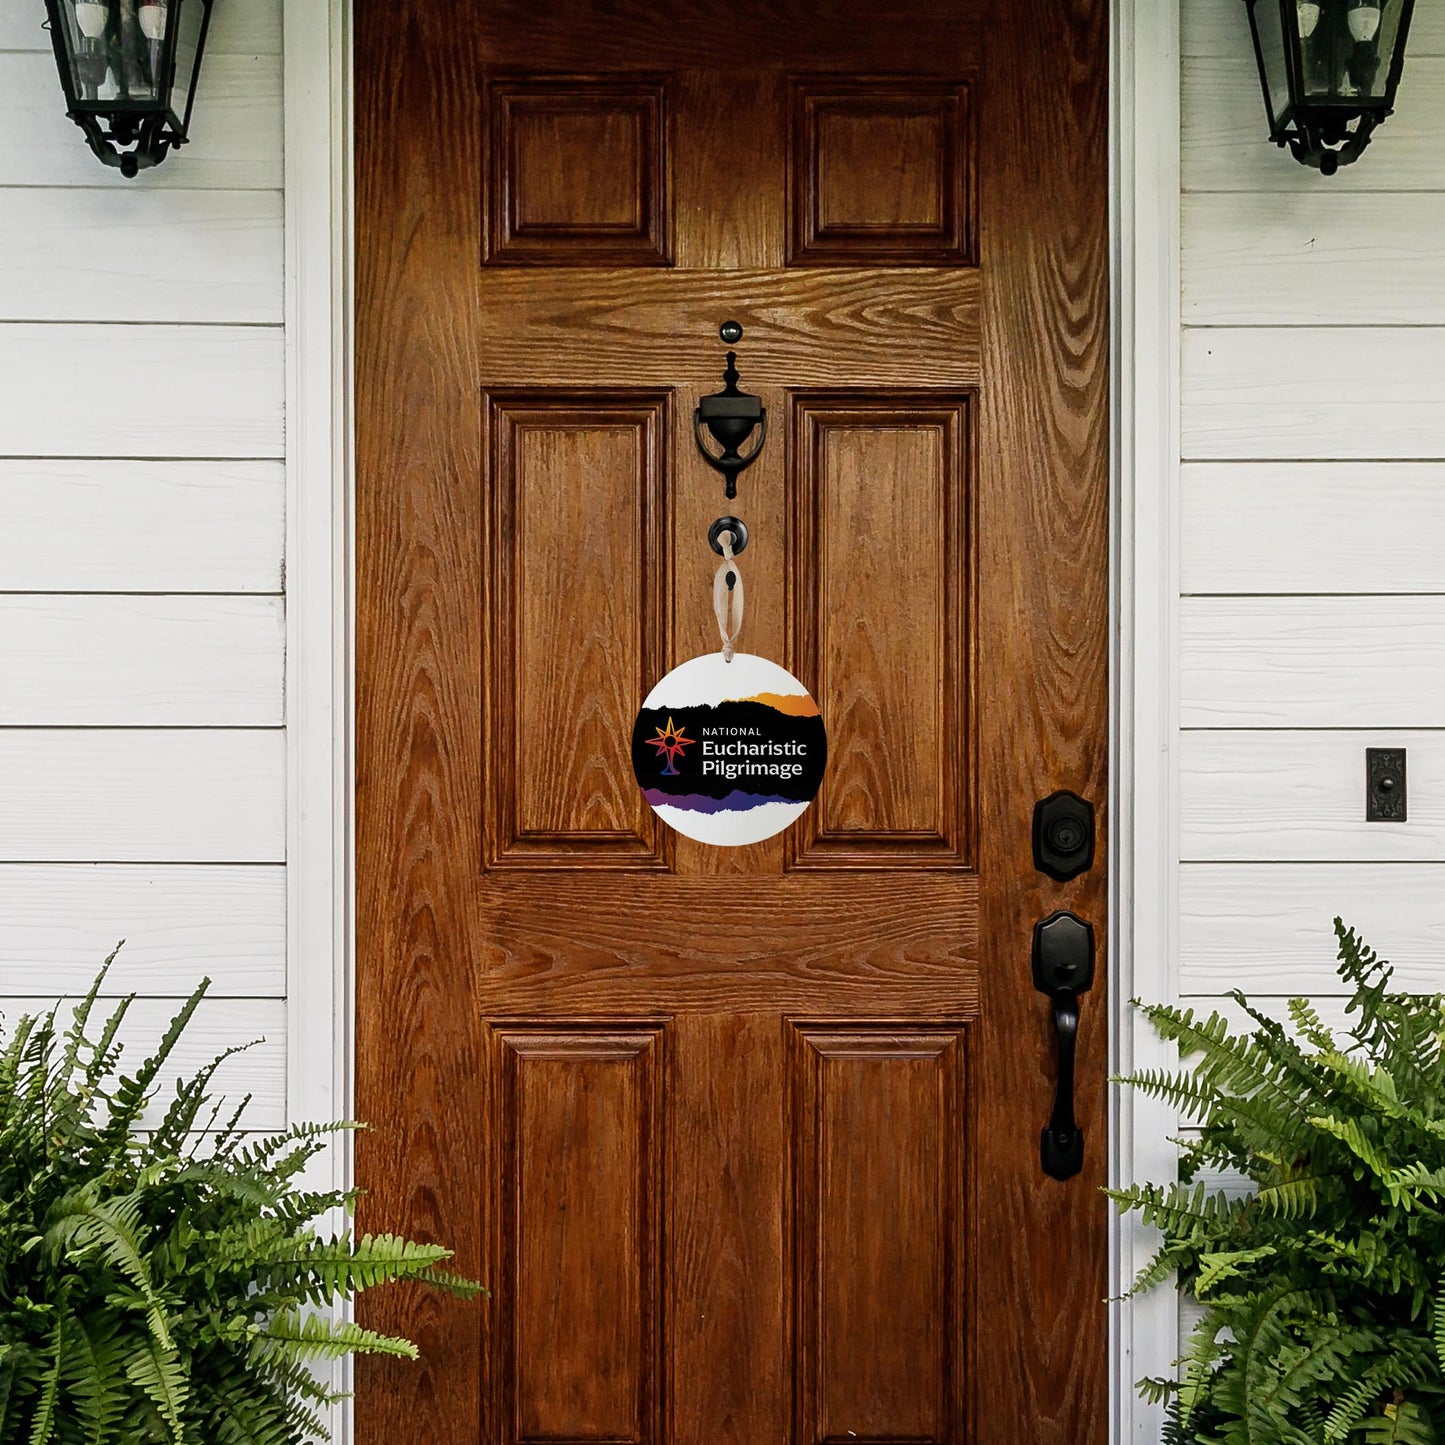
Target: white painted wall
x,y
143,755
1311,527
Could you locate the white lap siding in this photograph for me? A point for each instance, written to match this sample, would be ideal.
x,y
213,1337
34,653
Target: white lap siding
x,y
1312,537
142,518
1311,621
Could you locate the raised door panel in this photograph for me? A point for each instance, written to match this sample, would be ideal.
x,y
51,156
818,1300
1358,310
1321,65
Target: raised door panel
x,y
578,561
880,173
578,172
880,575
576,1338
879,1233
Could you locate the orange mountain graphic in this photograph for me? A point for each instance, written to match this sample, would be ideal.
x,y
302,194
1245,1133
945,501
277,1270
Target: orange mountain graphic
x,y
795,704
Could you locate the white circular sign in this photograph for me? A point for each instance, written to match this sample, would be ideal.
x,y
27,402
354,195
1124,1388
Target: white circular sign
x,y
729,752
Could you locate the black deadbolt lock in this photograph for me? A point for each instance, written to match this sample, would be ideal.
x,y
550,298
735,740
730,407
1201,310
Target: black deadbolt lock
x,y
1063,836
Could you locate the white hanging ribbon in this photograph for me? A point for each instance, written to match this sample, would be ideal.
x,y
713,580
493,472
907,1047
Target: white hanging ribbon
x,y
727,601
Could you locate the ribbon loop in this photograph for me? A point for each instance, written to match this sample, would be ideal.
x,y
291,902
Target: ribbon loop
x,y
727,596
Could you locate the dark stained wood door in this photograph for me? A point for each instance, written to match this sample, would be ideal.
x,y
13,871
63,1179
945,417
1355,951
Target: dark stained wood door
x,y
745,1143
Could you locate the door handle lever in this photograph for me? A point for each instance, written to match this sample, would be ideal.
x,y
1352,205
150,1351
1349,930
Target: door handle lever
x,y
1063,963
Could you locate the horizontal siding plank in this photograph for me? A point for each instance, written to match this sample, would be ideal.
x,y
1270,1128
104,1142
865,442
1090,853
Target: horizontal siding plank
x,y
211,256
81,795
1312,662
1221,28
180,924
1281,527
1269,929
142,661
1333,393
141,391
236,134
238,27
1299,797
219,1024
1290,260
1225,143
188,526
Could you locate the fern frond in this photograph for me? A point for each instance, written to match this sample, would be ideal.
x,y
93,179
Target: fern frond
x,y
1164,1266
114,1228
42,1426
105,1054
348,1265
94,1373
158,1372
1357,1401
454,1284
1403,1423
1183,1091
313,1337
180,1118
1177,1208
1352,1136
244,1415
1292,1199
1310,1025
70,1103
132,1094
1227,1264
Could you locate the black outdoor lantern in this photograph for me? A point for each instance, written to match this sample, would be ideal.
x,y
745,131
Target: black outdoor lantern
x,y
1330,69
129,68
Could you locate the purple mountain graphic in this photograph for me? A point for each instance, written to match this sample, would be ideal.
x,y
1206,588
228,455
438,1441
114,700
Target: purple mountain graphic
x,y
735,802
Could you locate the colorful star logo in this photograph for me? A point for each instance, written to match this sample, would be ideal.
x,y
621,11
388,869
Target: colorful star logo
x,y
670,742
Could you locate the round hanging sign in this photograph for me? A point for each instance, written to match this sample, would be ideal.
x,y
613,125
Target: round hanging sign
x,y
729,752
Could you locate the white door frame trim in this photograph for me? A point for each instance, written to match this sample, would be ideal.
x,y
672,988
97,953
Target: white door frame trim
x,y
318,582
318,562
1144,264
1144,848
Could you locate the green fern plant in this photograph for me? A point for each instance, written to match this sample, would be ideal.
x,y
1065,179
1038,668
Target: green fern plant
x,y
1322,1284
164,1282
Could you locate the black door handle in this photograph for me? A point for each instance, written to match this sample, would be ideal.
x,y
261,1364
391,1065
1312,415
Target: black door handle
x,y
1063,969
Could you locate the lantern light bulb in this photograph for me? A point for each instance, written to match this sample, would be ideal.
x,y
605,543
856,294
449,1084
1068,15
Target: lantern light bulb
x,y
153,19
1308,13
1364,22
91,16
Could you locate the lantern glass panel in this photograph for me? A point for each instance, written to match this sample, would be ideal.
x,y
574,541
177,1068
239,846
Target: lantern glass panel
x,y
89,44
1345,58
1268,19
190,25
115,62
133,54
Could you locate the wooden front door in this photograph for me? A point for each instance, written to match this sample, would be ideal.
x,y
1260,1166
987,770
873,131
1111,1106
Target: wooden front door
x,y
745,1143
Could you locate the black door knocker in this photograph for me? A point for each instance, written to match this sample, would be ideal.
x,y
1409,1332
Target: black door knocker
x,y
731,415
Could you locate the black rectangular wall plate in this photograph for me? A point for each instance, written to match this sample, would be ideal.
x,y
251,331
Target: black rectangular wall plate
x,y
1385,800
